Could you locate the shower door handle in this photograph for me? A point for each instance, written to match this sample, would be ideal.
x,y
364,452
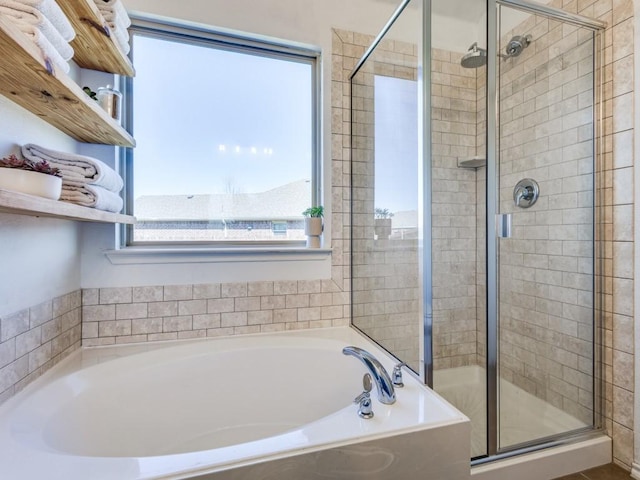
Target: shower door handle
x,y
503,225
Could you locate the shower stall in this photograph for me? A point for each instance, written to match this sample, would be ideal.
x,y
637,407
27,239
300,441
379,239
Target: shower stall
x,y
475,212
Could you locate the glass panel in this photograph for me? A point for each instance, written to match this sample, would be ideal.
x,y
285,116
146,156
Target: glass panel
x,y
546,102
458,167
387,298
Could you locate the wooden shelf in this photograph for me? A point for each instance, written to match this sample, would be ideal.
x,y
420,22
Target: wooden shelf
x,y
22,204
53,96
93,46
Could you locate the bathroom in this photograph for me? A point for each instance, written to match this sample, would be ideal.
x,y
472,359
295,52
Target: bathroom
x,y
58,268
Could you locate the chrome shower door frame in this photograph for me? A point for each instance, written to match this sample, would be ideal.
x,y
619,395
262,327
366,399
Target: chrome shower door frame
x,y
493,312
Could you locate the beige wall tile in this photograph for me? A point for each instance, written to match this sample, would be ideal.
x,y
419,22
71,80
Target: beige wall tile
x,y
148,294
34,339
178,292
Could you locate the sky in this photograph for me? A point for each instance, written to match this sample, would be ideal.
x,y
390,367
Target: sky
x,y
396,144
213,121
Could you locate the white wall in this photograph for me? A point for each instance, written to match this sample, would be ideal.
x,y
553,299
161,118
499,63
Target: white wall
x,y
39,257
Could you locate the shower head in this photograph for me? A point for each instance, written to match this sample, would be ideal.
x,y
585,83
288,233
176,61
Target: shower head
x,y
477,57
516,45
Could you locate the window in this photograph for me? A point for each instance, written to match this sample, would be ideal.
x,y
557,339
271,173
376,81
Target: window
x,y
280,228
226,132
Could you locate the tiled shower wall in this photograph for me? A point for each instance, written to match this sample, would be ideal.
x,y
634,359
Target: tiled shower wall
x,y
35,339
618,235
386,292
481,217
454,211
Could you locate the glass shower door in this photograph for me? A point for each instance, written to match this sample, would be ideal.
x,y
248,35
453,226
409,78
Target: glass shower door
x,y
457,192
387,290
545,178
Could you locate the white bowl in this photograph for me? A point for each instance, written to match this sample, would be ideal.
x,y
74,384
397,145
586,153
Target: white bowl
x,y
32,183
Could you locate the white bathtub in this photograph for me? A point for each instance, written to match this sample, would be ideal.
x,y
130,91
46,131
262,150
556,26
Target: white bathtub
x,y
256,407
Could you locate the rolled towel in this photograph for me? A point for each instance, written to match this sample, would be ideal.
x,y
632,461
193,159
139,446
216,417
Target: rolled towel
x,y
77,170
112,9
54,13
50,54
34,17
121,37
94,197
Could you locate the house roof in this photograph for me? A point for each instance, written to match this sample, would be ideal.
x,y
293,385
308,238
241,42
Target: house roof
x,y
283,202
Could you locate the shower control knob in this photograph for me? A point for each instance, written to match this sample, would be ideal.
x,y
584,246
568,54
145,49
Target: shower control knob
x,y
526,193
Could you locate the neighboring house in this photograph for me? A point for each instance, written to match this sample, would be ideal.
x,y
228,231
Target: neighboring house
x,y
272,215
404,225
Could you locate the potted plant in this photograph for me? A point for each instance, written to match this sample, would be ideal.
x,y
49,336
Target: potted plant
x,y
382,223
313,225
33,178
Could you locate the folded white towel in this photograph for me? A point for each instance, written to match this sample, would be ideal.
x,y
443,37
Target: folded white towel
x,y
118,20
72,176
49,53
80,170
121,36
54,13
19,12
94,197
112,17
112,9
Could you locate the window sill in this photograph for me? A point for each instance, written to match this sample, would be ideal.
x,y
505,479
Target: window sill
x,y
147,255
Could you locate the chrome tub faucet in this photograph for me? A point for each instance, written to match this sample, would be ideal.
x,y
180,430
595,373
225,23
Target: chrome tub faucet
x,y
386,393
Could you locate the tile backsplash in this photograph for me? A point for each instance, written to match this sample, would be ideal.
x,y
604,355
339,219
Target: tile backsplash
x,y
35,339
172,312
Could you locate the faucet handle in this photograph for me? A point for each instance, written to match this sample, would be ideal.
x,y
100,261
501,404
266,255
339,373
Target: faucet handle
x,y
396,376
364,405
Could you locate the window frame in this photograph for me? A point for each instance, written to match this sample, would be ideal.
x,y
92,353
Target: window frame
x,y
210,37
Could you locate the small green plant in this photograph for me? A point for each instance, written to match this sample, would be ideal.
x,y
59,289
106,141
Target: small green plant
x,y
314,211
382,213
90,92
23,164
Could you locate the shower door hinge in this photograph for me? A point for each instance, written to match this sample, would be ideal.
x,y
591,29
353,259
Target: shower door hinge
x,y
503,225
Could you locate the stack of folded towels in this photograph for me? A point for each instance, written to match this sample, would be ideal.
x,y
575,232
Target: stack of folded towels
x,y
86,181
45,23
118,20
